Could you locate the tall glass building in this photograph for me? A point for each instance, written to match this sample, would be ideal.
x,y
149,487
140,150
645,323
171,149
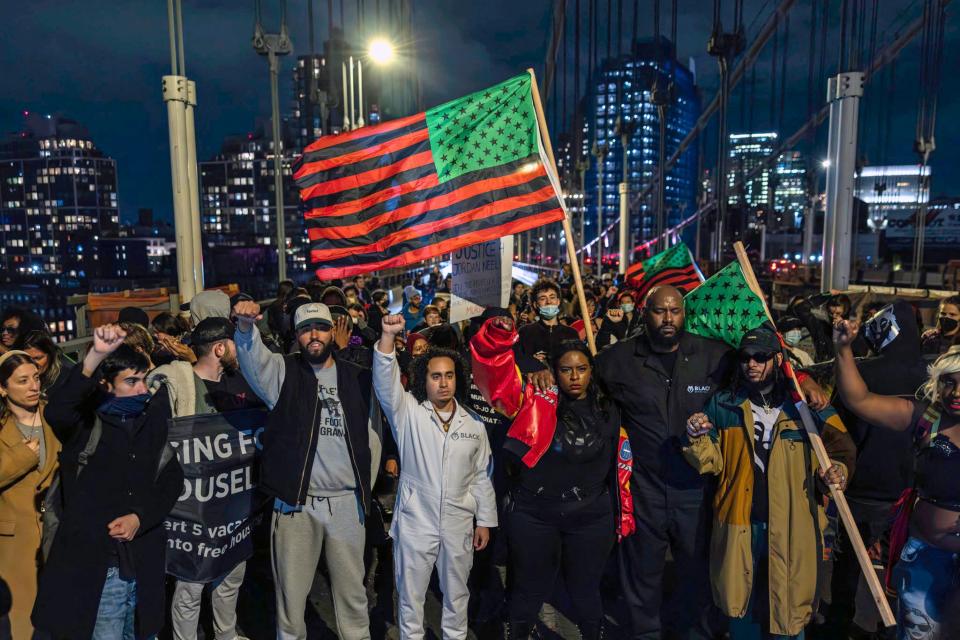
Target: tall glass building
x,y
622,89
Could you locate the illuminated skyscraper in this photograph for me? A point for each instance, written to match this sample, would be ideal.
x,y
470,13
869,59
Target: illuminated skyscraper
x,y
622,89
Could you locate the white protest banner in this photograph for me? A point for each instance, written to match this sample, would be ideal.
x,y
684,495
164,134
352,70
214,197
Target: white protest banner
x,y
481,278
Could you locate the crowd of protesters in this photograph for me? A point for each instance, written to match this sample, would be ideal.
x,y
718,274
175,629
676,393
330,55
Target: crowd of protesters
x,y
669,472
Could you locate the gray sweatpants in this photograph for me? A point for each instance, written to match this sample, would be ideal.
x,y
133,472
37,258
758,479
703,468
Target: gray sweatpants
x,y
333,526
185,608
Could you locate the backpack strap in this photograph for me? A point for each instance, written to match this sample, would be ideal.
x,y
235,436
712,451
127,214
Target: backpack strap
x,y
91,447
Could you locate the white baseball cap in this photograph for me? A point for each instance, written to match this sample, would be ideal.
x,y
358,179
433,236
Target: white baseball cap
x,y
312,313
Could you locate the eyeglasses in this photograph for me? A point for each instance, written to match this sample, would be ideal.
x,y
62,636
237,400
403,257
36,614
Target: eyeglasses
x,y
759,358
7,329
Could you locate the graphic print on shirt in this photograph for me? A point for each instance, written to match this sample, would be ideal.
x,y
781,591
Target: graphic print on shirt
x,y
763,421
331,416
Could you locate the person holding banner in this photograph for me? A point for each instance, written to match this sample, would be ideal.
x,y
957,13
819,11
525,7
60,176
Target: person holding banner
x,y
445,481
766,540
211,385
104,577
321,450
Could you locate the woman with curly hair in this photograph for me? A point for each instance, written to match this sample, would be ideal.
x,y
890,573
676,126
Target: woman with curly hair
x,y
445,486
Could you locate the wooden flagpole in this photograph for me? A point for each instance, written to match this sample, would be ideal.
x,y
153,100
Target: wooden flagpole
x,y
567,230
836,493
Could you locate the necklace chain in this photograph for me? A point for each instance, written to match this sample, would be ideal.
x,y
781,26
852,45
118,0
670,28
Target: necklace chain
x,y
445,424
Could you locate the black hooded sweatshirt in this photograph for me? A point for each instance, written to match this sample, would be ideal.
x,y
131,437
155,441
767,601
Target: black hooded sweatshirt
x,y
885,457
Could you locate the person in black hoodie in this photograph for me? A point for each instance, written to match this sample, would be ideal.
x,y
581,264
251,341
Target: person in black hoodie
x,y
884,458
105,573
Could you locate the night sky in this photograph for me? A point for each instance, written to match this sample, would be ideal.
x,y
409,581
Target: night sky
x,y
100,62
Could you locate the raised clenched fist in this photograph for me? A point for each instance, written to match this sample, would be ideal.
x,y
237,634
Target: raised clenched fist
x,y
393,325
246,312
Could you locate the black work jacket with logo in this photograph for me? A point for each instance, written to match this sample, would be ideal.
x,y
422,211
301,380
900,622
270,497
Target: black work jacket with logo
x,y
655,403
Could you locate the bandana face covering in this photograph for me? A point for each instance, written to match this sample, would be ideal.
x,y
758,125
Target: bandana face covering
x,y
126,407
881,329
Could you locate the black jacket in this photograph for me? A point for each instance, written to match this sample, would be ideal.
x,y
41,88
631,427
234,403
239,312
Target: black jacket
x,y
885,457
537,337
291,434
655,403
619,330
121,477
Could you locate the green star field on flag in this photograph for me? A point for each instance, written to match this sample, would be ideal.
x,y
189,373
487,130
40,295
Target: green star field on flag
x,y
724,308
484,129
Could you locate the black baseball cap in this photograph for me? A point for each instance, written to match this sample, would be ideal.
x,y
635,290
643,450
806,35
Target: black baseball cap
x,y
212,329
763,339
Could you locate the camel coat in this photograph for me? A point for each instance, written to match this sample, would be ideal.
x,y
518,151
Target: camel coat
x,y
22,485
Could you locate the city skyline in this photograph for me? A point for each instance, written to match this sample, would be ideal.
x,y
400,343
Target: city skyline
x,y
457,52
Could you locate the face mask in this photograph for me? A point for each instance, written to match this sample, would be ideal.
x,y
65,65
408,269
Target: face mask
x,y
881,329
947,325
550,311
793,337
126,407
628,307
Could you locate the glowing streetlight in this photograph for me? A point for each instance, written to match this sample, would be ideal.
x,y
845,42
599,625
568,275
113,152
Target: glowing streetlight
x,y
381,51
825,163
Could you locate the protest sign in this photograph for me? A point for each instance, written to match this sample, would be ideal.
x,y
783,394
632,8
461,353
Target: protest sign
x,y
209,530
480,278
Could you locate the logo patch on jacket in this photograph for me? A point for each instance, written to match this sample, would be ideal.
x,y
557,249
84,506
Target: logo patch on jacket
x,y
626,453
466,435
697,388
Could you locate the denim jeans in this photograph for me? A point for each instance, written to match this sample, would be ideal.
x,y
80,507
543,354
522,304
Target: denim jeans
x,y
926,577
118,603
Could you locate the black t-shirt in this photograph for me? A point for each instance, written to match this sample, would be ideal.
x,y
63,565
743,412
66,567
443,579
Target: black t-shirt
x,y
231,393
668,360
581,454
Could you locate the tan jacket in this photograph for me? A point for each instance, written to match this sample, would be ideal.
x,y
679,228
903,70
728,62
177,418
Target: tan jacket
x,y
22,485
795,522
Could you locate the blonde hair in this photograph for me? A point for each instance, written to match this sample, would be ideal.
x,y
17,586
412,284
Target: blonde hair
x,y
945,365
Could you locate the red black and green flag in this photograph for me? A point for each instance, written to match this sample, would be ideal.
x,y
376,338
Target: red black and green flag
x,y
675,267
468,171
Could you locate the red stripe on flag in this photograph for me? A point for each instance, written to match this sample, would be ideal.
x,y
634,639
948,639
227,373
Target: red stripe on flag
x,y
355,206
368,153
329,141
367,177
417,208
668,277
493,208
445,246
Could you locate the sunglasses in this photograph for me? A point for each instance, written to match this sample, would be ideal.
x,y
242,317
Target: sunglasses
x,y
759,358
9,329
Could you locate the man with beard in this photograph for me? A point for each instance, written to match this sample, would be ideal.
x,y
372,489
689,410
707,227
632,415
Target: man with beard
x,y
212,385
321,449
659,378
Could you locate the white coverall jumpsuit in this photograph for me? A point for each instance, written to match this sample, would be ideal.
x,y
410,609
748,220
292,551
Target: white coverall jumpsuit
x,y
444,484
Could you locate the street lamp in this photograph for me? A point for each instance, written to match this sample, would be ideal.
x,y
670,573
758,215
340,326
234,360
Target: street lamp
x,y
381,51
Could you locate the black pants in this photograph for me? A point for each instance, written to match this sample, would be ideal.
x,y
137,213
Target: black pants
x,y
547,536
872,519
677,521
